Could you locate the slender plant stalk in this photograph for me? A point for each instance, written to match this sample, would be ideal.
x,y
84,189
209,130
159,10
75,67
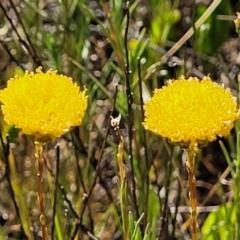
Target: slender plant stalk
x,y
55,193
147,161
123,189
191,153
42,218
130,110
122,174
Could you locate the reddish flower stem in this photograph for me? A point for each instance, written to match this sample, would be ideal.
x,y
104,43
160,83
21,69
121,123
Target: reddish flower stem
x,y
42,217
190,164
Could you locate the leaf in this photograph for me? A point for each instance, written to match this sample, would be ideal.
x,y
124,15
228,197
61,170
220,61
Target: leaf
x,y
2,234
220,224
213,32
12,132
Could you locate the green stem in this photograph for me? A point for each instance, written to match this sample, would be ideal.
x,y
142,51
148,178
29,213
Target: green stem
x,y
190,164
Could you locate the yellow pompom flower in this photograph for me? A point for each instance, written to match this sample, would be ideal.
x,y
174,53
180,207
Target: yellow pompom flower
x,y
43,104
191,111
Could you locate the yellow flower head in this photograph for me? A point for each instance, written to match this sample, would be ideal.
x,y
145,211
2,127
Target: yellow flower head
x,y
43,104
191,111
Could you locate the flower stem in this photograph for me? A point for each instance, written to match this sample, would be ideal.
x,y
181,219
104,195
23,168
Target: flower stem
x,y
42,218
123,189
190,163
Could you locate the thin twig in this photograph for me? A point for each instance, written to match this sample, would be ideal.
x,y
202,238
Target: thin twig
x,y
130,112
31,46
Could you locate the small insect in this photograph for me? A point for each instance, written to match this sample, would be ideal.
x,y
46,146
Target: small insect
x,y
115,121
